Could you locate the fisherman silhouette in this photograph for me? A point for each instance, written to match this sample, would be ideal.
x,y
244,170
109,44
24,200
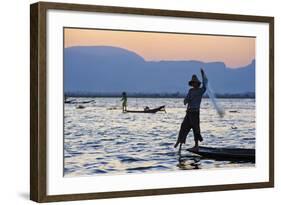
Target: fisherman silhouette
x,y
192,117
124,101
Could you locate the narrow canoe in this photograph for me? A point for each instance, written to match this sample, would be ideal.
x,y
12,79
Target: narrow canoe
x,y
77,102
231,154
161,108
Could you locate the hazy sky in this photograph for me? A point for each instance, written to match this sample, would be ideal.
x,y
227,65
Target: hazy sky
x,y
233,51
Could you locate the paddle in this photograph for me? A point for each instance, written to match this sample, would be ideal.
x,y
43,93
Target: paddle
x,y
211,95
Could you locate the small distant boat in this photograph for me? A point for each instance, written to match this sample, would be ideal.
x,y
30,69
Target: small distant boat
x,y
161,108
89,101
231,154
69,101
80,107
78,102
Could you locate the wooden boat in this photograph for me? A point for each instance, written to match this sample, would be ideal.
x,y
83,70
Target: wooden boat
x,y
69,101
231,154
77,102
80,107
161,108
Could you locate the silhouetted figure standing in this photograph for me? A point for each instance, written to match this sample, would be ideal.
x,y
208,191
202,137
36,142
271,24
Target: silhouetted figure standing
x,y
192,117
124,101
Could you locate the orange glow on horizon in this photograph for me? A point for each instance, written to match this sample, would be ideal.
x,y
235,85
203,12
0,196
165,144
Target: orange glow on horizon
x,y
233,51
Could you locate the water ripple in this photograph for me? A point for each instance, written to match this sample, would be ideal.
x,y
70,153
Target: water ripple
x,y
102,141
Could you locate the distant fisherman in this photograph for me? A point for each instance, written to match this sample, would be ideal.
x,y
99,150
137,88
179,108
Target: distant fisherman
x,y
124,103
192,117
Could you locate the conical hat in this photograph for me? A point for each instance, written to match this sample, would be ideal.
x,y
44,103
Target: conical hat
x,y
194,79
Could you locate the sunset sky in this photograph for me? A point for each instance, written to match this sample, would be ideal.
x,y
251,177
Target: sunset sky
x,y
233,51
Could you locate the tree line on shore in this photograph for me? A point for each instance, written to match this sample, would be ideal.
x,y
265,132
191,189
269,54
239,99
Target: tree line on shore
x,y
156,95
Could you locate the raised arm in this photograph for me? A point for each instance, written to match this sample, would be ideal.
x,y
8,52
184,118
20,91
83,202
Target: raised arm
x,y
205,81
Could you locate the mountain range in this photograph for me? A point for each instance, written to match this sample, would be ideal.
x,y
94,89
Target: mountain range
x,y
106,69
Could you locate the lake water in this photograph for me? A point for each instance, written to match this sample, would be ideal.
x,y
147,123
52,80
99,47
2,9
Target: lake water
x,y
100,139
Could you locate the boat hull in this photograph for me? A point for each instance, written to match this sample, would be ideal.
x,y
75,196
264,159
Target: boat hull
x,y
161,108
231,154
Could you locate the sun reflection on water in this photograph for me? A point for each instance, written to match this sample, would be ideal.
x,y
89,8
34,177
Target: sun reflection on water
x,y
99,140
